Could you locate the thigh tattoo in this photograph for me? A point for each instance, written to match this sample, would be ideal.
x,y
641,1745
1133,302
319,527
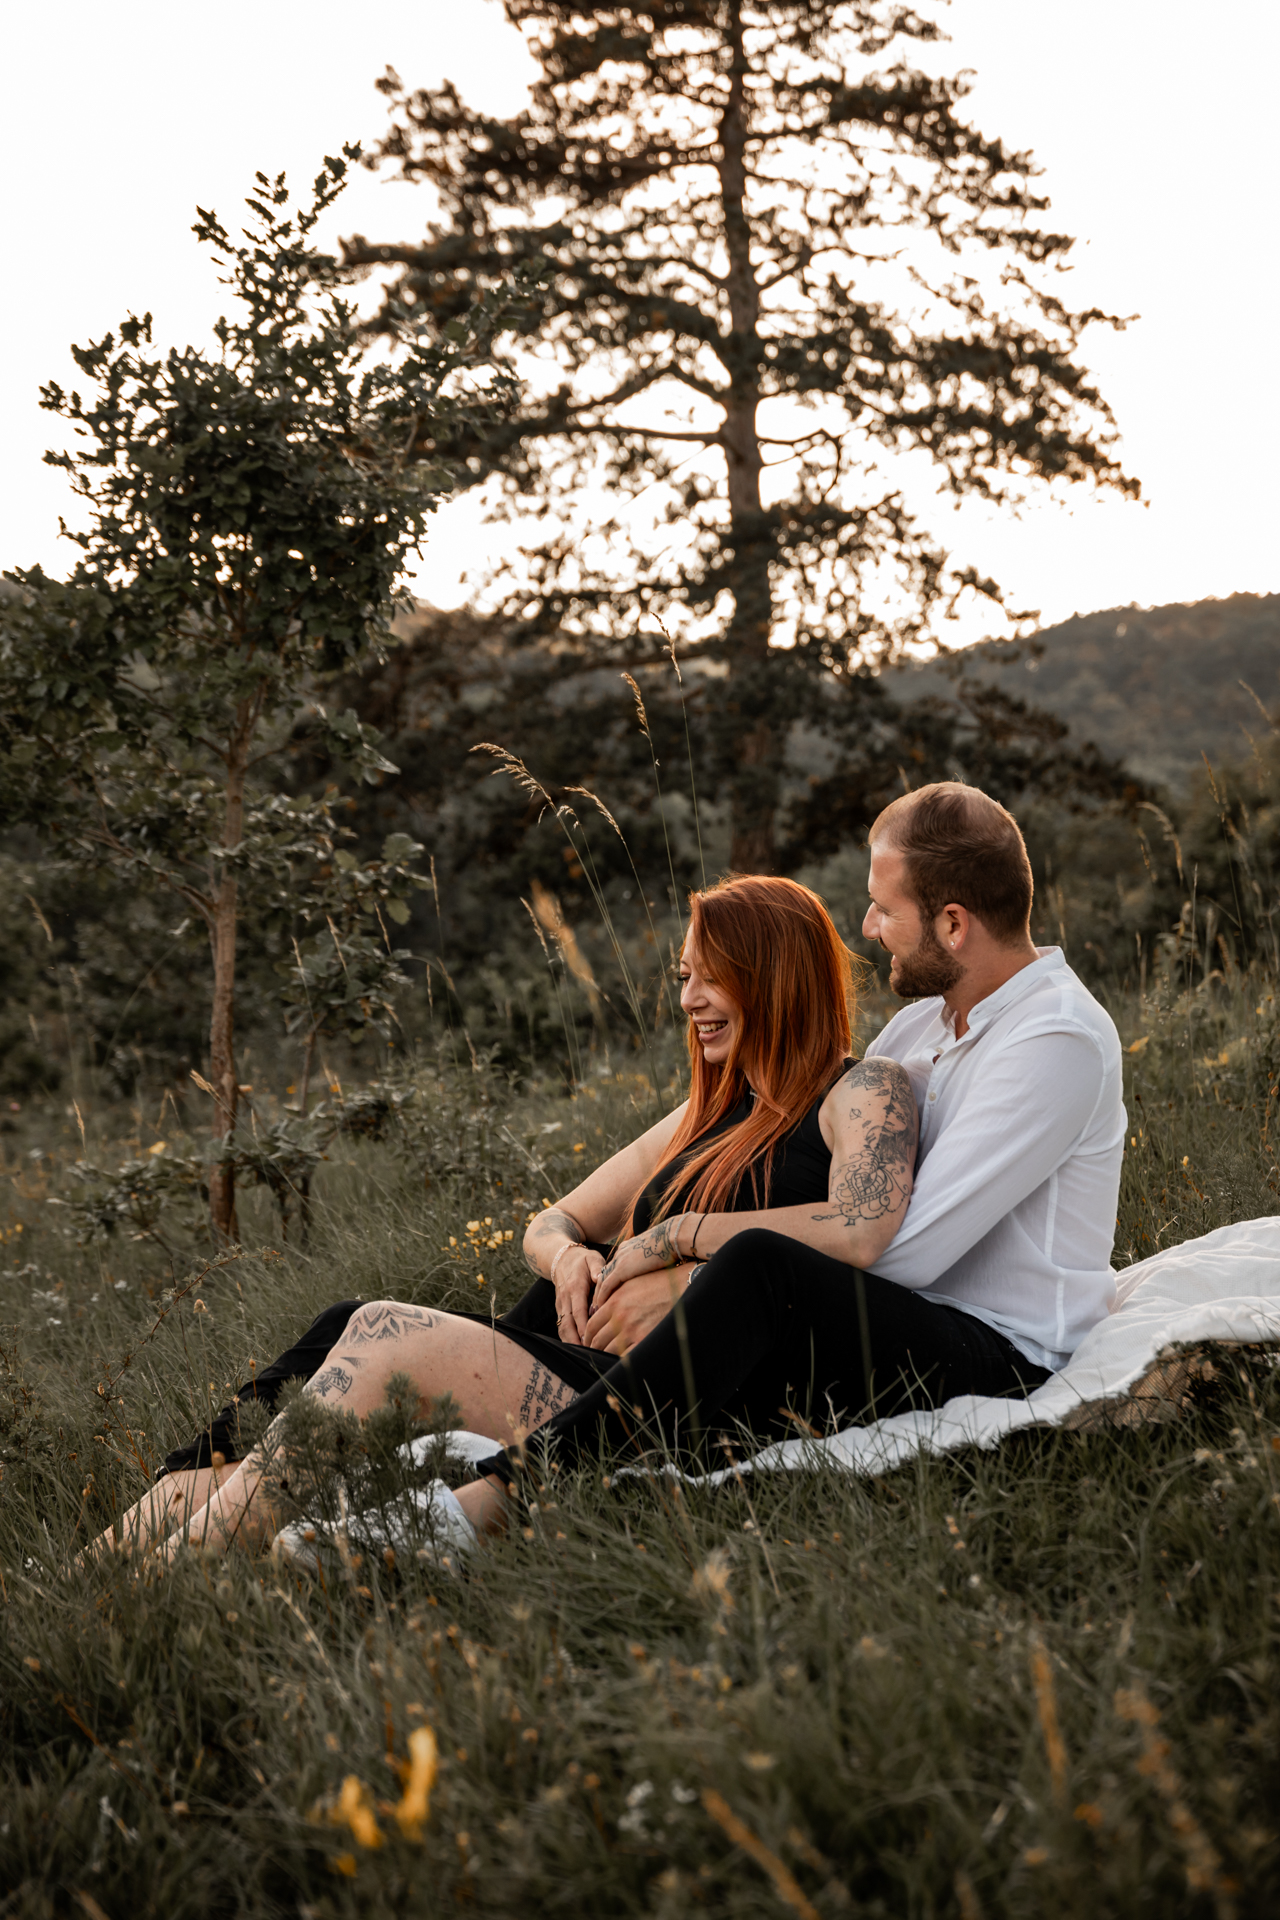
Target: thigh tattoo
x,y
388,1323
333,1380
545,1394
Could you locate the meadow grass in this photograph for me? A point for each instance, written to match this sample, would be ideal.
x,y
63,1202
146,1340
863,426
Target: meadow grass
x,y
1033,1681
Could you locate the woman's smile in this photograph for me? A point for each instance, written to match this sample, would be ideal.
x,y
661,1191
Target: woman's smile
x,y
717,1020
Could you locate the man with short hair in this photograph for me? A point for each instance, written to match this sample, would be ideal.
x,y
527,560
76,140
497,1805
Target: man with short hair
x,y
1016,1072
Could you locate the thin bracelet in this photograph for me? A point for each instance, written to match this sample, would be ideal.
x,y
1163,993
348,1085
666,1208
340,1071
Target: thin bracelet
x,y
560,1256
693,1250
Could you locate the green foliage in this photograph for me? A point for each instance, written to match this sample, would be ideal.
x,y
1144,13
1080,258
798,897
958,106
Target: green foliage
x,y
250,514
138,1194
341,979
352,1476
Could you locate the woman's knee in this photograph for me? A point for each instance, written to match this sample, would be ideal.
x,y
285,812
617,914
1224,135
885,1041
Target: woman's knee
x,y
368,1320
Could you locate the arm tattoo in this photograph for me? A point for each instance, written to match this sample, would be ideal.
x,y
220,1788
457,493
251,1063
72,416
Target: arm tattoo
x,y
874,1179
659,1243
388,1323
551,1223
545,1393
333,1380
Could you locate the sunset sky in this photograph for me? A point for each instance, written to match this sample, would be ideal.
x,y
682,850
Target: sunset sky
x,y
1154,122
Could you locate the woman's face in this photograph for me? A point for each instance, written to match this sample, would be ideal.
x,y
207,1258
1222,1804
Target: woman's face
x,y
717,1019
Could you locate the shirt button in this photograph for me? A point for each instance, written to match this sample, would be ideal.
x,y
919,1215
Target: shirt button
x,y
933,1096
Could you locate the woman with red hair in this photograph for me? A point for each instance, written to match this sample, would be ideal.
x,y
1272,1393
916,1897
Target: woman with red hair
x,y
711,1276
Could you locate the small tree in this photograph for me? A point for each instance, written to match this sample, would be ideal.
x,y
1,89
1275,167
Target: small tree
x,y
343,979
725,190
251,510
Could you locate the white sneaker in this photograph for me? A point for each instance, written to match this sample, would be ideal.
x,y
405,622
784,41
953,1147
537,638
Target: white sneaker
x,y
308,1547
399,1525
304,1547
459,1444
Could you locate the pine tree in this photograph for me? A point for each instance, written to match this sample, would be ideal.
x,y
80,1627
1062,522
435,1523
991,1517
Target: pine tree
x,y
724,189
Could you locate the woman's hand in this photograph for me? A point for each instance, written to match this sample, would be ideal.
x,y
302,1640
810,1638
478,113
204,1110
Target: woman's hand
x,y
656,1248
577,1270
634,1307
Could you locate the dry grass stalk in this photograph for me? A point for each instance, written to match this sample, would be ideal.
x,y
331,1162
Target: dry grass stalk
x,y
1047,1708
1204,1864
966,1898
549,912
788,1887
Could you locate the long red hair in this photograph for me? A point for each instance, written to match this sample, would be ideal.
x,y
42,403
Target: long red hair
x,y
771,946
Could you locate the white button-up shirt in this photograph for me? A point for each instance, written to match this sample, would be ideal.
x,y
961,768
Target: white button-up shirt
x,y
1021,1137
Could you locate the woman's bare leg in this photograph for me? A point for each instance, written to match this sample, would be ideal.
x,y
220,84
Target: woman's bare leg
x,y
498,1388
165,1505
486,1503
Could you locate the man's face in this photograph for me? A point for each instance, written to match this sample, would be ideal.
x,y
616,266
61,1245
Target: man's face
x,y
920,965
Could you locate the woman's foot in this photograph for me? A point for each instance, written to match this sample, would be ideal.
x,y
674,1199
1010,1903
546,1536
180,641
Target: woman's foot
x,y
434,1510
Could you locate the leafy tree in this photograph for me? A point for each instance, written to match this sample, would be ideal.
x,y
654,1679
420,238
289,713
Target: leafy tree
x,y
724,189
250,511
343,979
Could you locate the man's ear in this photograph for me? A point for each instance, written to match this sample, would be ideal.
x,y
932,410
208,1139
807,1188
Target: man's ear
x,y
952,927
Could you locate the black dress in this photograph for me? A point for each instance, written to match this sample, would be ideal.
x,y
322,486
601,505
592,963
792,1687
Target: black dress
x,y
800,1173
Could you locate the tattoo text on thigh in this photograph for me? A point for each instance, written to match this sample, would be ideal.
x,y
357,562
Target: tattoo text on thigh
x,y
389,1322
333,1380
545,1394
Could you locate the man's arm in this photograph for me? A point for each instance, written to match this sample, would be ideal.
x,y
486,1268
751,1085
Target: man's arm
x,y
871,1112
1017,1123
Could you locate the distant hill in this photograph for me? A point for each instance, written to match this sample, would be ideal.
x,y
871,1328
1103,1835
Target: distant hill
x,y
1154,687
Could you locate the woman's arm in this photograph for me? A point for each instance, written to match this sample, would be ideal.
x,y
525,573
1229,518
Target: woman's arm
x,y
596,1209
870,1118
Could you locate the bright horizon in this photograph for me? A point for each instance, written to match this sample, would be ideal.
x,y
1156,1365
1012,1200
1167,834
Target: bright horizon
x,y
1154,140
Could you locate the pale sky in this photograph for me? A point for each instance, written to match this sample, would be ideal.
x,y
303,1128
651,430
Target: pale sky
x,y
1153,119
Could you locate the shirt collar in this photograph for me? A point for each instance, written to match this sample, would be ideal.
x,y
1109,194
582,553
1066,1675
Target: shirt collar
x,y
1013,989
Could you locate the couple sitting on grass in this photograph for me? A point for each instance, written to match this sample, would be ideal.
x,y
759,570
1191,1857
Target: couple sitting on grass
x,y
805,1238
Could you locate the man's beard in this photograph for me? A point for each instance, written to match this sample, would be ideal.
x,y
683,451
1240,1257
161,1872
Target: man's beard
x,y
929,970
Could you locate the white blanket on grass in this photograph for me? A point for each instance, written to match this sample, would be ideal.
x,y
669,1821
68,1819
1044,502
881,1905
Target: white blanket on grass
x,y
1225,1286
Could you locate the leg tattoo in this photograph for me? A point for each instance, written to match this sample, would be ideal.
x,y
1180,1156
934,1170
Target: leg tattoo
x,y
388,1322
333,1380
545,1394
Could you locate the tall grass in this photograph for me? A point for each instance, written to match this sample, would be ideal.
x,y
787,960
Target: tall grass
x,y
1035,1681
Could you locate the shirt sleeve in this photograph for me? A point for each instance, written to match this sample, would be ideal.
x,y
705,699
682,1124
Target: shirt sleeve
x,y
1017,1123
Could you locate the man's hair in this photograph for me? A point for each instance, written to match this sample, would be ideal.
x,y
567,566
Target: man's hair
x,y
960,845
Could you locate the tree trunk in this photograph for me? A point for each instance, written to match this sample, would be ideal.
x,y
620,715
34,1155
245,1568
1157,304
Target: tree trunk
x,y
307,1059
222,1065
754,740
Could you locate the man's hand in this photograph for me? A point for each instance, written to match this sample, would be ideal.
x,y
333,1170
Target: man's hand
x,y
634,1308
658,1247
